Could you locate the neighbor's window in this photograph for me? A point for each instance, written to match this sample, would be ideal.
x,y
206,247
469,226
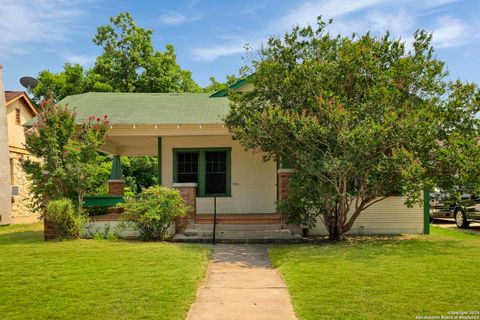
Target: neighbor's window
x,y
209,168
17,116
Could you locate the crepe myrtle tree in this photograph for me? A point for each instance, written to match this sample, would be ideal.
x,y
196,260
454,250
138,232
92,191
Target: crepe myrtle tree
x,y
66,163
359,118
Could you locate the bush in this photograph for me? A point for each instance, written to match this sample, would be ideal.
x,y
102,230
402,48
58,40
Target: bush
x,y
62,213
153,211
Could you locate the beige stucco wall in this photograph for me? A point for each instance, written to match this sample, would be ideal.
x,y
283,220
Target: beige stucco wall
x,y
16,136
5,207
21,205
253,180
389,216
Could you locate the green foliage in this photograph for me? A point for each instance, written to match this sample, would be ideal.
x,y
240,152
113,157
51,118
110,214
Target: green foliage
x,y
106,234
360,118
153,211
215,86
66,162
63,214
129,63
72,80
140,172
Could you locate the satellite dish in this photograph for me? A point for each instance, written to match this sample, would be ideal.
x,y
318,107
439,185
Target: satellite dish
x,y
28,82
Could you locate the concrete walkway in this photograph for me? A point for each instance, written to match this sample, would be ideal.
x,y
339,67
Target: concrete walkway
x,y
241,284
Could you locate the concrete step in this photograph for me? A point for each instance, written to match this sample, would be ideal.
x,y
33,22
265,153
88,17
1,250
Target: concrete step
x,y
236,227
274,218
236,234
180,237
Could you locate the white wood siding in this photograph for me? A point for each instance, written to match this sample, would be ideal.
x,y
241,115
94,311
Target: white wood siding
x,y
389,216
253,180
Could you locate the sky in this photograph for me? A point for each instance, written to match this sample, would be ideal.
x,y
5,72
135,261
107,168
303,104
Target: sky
x,y
210,36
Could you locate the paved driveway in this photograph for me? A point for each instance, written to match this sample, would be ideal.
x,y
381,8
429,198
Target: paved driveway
x,y
450,224
241,284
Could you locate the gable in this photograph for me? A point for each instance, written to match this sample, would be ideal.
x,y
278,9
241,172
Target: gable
x,y
20,97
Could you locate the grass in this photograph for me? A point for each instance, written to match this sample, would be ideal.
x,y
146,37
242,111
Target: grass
x,y
383,278
95,279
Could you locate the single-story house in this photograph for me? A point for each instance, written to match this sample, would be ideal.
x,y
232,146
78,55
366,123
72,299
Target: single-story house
x,y
198,156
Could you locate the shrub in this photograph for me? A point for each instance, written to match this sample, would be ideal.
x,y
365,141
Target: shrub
x,y
62,213
153,211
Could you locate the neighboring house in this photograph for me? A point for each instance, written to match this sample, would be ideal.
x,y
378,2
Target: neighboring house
x,y
5,206
20,109
198,156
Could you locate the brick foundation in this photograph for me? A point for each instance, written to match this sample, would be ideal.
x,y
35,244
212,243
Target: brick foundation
x,y
116,187
188,191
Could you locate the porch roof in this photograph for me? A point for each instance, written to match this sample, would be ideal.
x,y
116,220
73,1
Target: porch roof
x,y
149,108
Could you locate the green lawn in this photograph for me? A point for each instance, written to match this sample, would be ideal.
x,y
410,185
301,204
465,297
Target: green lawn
x,y
383,279
91,279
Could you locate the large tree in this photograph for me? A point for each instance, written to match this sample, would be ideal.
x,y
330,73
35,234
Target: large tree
x,y
66,162
359,118
129,63
73,79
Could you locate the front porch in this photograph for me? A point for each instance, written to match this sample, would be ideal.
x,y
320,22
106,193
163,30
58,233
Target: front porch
x,y
213,174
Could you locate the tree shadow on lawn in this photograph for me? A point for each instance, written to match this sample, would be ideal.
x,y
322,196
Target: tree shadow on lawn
x,y
21,234
366,249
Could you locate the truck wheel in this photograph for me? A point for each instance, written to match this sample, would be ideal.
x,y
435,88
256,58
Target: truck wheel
x,y
461,219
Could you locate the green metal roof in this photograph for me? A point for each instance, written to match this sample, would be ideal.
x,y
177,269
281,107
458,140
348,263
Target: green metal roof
x,y
224,92
149,108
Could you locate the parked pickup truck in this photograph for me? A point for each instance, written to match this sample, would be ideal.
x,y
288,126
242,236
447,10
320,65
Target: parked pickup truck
x,y
463,211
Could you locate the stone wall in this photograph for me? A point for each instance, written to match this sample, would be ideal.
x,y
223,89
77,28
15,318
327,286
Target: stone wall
x,y
21,205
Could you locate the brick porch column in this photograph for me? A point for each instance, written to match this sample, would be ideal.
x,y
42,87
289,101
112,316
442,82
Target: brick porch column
x,y
116,184
188,191
283,184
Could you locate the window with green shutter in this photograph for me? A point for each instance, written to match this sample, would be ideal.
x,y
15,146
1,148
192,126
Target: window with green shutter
x,y
209,168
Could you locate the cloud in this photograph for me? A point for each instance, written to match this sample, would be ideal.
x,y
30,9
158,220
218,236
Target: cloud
x,y
173,18
451,32
24,23
212,53
308,12
400,17
80,59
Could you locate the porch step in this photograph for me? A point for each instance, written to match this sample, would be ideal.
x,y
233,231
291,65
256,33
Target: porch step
x,y
179,237
238,233
235,227
273,218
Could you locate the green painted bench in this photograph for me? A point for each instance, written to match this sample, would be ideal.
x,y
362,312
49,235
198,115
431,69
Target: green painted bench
x,y
102,201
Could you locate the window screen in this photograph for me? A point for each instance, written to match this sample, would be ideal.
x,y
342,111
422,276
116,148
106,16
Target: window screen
x,y
215,172
187,167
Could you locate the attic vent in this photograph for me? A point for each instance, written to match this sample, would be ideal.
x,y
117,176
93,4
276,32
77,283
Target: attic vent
x,y
17,116
15,191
